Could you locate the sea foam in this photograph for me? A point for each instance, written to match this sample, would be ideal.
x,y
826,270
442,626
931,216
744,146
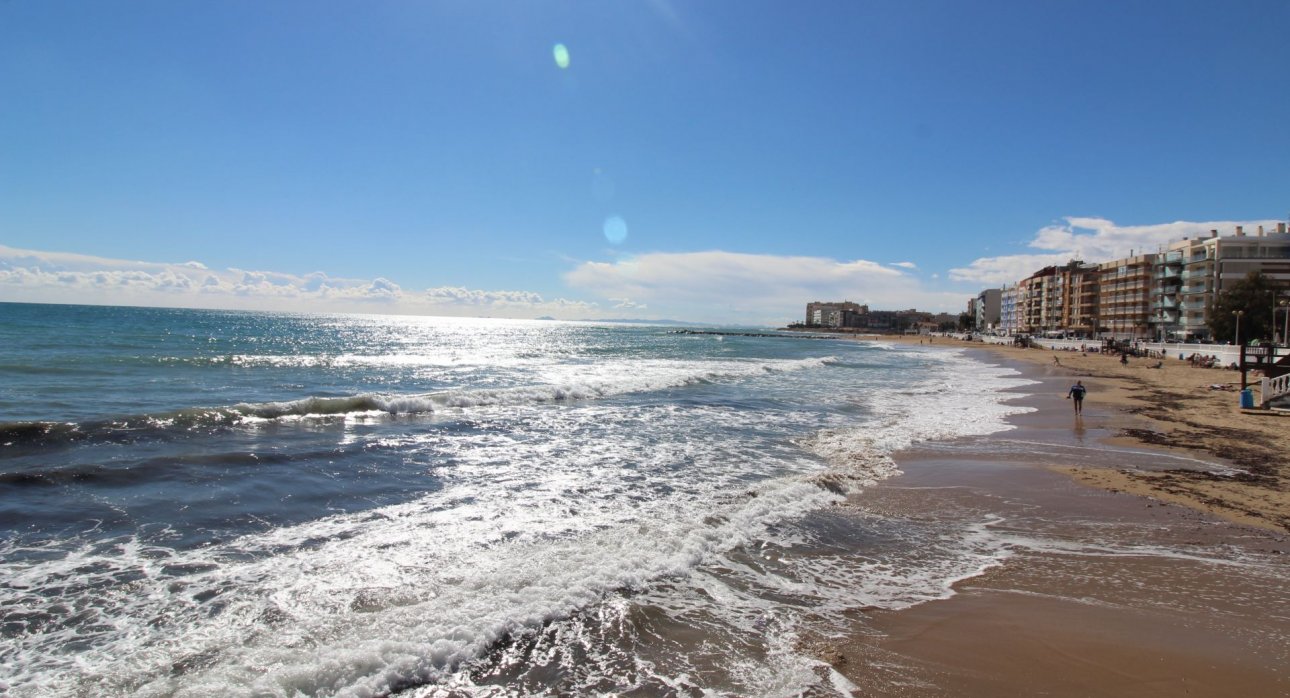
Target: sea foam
x,y
563,511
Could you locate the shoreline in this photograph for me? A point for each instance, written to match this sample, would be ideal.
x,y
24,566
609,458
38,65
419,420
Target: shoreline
x,y
1174,410
1066,614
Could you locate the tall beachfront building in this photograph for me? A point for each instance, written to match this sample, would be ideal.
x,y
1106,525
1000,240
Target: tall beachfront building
x,y
1164,295
1185,278
1083,287
1008,309
985,310
1031,292
834,314
1058,300
1189,274
1124,297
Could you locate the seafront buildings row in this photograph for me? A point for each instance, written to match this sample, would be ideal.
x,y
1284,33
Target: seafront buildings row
x,y
1152,296
846,315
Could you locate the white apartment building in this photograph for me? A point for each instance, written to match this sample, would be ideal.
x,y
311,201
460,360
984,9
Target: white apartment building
x,y
1190,272
1008,301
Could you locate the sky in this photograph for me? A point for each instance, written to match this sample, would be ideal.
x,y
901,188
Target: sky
x,y
724,161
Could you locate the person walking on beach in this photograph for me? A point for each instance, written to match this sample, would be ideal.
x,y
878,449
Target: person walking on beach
x,y
1076,393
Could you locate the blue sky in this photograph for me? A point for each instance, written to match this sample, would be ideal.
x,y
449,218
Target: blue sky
x,y
434,157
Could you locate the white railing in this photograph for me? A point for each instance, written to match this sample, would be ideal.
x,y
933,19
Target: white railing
x,y
1064,344
1224,354
1227,354
1047,342
1273,388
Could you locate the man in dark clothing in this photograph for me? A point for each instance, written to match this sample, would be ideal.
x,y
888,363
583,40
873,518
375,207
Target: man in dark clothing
x,y
1076,393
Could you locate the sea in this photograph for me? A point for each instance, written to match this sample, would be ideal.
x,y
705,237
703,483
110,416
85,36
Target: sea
x,y
201,502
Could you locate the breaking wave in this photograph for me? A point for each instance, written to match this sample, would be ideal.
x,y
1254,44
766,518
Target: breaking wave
x,y
648,376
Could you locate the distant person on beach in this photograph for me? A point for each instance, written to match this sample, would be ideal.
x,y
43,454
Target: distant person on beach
x,y
1076,393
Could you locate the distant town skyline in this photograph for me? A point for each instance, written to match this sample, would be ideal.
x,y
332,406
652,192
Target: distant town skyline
x,y
721,162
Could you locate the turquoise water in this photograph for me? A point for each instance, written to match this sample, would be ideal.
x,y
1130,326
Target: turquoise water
x,y
232,503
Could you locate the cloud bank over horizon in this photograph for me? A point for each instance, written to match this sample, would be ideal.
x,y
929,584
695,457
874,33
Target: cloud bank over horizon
x,y
1092,240
713,286
61,277
753,287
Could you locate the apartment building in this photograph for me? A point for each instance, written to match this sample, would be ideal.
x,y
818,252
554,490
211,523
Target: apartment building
x,y
1189,273
1164,295
853,315
1057,299
1124,297
1039,301
844,314
1030,295
1083,284
1008,322
985,310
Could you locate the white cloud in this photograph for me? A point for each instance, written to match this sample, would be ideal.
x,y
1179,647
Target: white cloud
x,y
731,286
1090,240
1008,269
627,304
29,275
905,265
463,296
384,288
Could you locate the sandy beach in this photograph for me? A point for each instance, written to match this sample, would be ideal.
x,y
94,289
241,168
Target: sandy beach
x,y
1178,408
1112,589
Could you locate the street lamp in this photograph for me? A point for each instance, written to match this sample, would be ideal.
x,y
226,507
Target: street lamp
x,y
1285,330
1238,314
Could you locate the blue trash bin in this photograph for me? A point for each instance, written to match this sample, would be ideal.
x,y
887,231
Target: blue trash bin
x,y
1247,399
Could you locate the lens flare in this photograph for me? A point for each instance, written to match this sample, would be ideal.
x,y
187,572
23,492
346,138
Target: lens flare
x,y
615,230
561,56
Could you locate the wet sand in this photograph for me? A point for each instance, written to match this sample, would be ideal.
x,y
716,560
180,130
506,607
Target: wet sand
x,y
996,643
1175,408
1139,585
